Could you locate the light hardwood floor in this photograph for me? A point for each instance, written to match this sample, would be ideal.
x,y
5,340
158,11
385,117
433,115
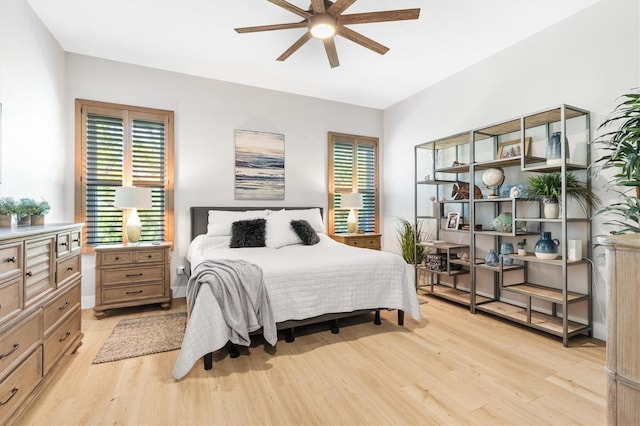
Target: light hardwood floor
x,y
451,367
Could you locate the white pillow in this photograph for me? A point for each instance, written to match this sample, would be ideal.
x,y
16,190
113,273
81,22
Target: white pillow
x,y
279,230
220,221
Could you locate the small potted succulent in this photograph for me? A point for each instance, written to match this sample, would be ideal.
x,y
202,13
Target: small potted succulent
x,y
38,212
7,209
522,247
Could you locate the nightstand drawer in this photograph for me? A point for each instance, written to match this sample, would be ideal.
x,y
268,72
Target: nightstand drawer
x,y
132,275
132,293
364,242
18,340
17,387
148,256
61,305
68,269
119,258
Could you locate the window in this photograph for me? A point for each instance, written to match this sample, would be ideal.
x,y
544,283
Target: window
x,y
353,167
120,145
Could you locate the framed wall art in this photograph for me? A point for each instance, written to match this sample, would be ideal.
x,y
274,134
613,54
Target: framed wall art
x,y
453,218
259,165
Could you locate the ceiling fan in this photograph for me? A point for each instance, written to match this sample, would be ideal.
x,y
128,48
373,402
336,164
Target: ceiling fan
x,y
324,20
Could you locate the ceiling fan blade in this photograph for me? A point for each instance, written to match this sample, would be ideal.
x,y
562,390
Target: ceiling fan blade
x,y
317,6
361,40
389,15
295,46
332,53
242,30
292,8
339,6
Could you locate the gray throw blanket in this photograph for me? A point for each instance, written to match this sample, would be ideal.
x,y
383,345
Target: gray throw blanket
x,y
239,288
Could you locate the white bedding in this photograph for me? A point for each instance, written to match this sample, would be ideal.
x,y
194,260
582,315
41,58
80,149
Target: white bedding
x,y
302,282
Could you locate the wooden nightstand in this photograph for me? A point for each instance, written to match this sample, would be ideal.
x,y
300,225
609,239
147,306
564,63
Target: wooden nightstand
x,y
132,275
370,241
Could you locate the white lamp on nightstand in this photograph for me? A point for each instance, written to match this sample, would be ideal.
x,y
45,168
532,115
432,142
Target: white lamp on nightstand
x,y
130,197
351,201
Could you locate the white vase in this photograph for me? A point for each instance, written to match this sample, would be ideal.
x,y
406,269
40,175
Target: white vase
x,y
551,209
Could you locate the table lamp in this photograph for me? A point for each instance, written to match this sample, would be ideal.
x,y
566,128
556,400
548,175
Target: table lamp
x,y
129,197
351,201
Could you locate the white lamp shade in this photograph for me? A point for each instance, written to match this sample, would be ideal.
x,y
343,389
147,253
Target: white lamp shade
x,y
351,201
130,197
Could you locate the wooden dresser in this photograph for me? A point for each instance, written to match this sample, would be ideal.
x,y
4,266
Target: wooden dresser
x,y
40,282
132,275
623,328
370,240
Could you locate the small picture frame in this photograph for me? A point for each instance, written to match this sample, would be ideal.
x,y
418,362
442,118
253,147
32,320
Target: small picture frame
x,y
510,149
452,220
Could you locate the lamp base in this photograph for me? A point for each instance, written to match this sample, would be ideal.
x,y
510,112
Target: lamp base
x,y
134,227
352,223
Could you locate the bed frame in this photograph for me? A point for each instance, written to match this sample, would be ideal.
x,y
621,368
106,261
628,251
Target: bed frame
x,y
199,222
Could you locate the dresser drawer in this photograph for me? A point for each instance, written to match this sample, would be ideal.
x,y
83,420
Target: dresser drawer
x,y
76,240
62,304
132,275
10,260
63,245
58,339
18,340
132,293
120,258
68,269
19,384
39,267
10,298
148,256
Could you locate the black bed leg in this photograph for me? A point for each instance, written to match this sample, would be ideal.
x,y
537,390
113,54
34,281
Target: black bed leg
x,y
233,351
335,326
376,320
400,317
208,361
291,335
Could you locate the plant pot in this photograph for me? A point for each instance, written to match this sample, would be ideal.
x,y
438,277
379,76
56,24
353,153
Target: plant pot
x,y
5,221
546,248
37,219
24,220
550,208
522,252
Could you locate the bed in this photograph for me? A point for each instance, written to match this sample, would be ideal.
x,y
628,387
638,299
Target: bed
x,y
305,283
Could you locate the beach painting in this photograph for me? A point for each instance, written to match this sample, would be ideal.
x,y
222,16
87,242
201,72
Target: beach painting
x,y
259,165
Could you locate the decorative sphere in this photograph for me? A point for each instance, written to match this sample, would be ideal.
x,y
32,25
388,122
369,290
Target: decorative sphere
x,y
493,177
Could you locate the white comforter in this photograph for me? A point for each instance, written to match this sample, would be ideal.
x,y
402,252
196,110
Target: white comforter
x,y
302,282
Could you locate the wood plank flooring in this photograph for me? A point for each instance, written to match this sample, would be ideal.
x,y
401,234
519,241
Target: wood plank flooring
x,y
450,368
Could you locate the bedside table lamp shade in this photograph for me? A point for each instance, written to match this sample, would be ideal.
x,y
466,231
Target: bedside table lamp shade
x,y
129,197
351,201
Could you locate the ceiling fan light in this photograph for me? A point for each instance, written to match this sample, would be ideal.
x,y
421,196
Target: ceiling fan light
x,y
322,26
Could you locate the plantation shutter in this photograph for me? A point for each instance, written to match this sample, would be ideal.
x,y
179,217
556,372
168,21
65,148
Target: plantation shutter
x,y
353,168
123,146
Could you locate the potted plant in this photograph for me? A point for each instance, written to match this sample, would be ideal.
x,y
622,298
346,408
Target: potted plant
x,y
407,233
522,247
549,187
24,210
38,211
7,209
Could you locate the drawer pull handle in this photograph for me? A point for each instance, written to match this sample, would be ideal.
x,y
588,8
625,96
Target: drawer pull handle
x,y
75,240
117,258
15,348
64,243
134,275
60,308
29,273
66,335
134,292
69,268
12,259
14,391
149,256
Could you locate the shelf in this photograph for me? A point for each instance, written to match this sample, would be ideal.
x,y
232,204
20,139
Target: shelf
x,y
502,200
459,296
465,262
531,257
553,168
506,234
545,293
447,273
544,322
546,220
506,162
435,182
442,245
497,268
464,168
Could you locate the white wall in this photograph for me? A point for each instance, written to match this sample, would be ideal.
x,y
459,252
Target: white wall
x,y
587,60
34,157
206,114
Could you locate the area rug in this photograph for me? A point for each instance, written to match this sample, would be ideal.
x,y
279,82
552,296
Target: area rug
x,y
143,336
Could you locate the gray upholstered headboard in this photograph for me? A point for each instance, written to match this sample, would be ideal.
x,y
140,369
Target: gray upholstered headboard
x,y
200,216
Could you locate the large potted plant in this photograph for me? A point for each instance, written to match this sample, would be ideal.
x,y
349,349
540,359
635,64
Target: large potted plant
x,y
38,211
548,186
7,209
621,153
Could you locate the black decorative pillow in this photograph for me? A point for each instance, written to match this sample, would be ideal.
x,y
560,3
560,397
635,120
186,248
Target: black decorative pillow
x,y
306,232
248,233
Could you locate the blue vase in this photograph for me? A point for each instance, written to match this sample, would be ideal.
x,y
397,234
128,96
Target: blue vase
x,y
554,148
546,248
492,259
507,248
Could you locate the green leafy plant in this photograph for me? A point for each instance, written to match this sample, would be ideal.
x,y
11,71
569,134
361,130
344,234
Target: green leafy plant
x,y
549,185
26,207
7,205
42,207
626,213
522,244
408,234
622,146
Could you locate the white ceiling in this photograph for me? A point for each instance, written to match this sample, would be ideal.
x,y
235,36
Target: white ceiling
x,y
196,37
